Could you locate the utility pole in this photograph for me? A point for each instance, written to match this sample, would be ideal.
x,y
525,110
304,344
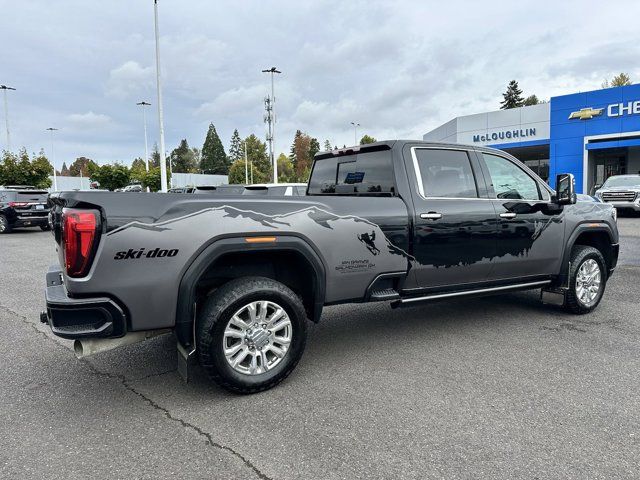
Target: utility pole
x,y
246,164
6,114
163,162
53,162
355,133
146,145
270,119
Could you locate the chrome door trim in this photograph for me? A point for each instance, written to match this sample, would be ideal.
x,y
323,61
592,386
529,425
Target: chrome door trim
x,y
439,296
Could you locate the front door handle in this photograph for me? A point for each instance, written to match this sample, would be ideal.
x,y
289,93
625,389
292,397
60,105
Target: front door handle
x,y
508,215
431,216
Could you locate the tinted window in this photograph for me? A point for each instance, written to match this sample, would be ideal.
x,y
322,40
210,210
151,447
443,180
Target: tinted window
x,y
32,196
509,180
446,173
364,173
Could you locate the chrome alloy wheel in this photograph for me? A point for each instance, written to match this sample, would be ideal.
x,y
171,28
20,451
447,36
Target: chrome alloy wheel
x,y
3,224
257,337
588,282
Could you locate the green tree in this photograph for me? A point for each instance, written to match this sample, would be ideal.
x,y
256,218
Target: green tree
x,y
81,166
151,179
292,151
314,147
19,169
138,164
327,146
182,158
214,160
155,157
110,176
367,139
512,98
286,172
531,100
620,80
138,170
236,149
301,150
258,159
236,172
64,171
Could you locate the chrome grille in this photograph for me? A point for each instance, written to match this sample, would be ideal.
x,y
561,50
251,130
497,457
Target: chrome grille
x,y
619,196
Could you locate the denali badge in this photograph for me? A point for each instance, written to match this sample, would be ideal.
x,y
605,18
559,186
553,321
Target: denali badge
x,y
155,253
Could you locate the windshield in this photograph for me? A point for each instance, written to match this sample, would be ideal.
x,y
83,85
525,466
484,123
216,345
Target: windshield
x,y
630,181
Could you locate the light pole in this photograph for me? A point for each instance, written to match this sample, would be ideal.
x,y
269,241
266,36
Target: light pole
x,y
6,113
246,164
270,118
144,120
53,162
355,132
163,165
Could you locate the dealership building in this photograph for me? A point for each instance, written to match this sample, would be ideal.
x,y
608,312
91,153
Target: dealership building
x,y
592,135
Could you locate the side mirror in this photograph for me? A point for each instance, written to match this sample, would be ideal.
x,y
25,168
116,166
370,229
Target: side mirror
x,y
565,189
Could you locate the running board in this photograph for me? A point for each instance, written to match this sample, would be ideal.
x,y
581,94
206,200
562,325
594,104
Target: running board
x,y
403,302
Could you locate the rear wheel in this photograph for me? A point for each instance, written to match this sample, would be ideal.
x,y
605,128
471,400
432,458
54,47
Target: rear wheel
x,y
251,334
4,225
587,279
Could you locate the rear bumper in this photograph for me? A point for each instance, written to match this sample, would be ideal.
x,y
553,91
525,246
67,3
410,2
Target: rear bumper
x,y
30,221
71,318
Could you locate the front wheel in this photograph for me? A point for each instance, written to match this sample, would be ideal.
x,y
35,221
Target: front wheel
x,y
587,279
251,334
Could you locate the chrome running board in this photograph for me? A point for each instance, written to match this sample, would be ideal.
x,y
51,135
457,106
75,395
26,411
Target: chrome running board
x,y
479,291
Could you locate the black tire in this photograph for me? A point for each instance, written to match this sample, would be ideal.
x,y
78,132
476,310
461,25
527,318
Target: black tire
x,y
4,225
45,228
215,315
579,255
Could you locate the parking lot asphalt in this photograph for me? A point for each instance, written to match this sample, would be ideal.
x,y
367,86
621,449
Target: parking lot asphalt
x,y
496,387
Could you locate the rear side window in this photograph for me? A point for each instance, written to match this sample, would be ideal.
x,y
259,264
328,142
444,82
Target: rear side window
x,y
445,173
369,173
509,180
32,196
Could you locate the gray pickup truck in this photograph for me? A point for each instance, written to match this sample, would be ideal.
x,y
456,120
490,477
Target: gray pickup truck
x,y
236,278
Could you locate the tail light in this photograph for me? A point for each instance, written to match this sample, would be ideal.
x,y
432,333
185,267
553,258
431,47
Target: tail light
x,y
80,229
18,204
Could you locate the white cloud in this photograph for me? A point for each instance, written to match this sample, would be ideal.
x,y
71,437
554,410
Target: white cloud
x,y
89,120
129,78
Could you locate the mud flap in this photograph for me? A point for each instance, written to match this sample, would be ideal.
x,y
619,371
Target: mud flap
x,y
553,296
186,359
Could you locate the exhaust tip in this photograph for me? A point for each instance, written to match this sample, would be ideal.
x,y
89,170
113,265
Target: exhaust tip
x,y
78,349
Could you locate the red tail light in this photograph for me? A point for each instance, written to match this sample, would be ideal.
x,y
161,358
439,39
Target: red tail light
x,y
79,237
18,204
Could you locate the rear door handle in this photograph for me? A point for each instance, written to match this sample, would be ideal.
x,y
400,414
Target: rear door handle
x,y
508,215
431,216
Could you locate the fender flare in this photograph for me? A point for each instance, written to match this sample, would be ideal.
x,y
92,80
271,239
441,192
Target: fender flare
x,y
185,308
581,228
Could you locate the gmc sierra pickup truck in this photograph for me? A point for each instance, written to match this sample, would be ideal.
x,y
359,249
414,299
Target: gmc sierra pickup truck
x,y
236,278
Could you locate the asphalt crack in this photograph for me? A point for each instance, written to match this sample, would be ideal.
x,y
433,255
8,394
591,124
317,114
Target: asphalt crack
x,y
124,382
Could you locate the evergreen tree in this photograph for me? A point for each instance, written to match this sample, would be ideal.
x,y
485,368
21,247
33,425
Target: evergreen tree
x,y
292,152
314,147
155,157
258,159
64,171
512,97
327,146
214,159
183,159
531,100
236,149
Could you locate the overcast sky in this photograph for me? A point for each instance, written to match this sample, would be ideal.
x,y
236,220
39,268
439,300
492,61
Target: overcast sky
x,y
400,68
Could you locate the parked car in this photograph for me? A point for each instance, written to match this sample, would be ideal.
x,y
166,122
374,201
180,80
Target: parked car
x,y
136,187
23,206
236,278
276,189
622,192
181,190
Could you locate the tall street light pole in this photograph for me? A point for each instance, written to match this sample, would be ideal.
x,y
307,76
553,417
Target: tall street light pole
x,y
355,132
163,165
53,162
246,164
144,104
6,113
270,118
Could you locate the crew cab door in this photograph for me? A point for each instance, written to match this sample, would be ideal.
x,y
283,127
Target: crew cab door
x,y
530,230
455,223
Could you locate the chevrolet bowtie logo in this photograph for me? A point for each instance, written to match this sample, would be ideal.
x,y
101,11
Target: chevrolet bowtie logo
x,y
586,113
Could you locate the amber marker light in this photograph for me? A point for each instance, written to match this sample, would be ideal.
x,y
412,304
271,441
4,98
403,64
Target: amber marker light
x,y
260,239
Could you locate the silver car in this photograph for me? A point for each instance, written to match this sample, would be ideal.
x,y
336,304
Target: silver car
x,y
621,191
